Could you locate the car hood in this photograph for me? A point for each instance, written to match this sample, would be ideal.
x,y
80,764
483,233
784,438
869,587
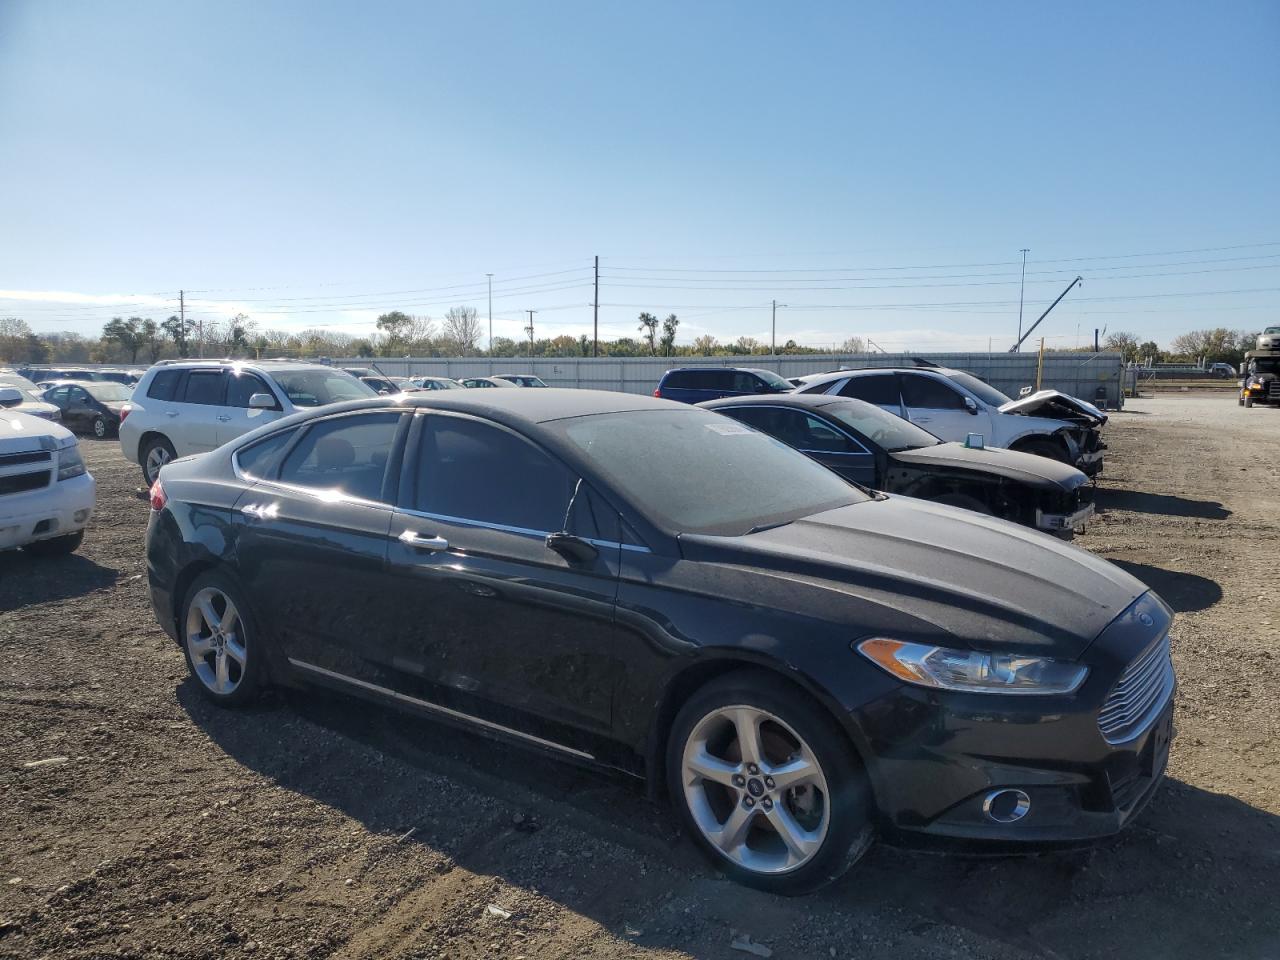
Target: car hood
x,y
940,574
1060,406
37,406
21,432
1027,468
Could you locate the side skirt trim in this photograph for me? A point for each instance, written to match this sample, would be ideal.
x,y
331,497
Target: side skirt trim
x,y
437,708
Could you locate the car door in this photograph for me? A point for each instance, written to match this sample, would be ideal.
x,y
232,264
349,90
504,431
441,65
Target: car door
x,y
195,412
497,624
60,397
237,418
311,537
80,410
830,445
939,407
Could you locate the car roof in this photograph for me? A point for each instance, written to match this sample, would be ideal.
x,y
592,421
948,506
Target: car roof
x,y
811,401
866,371
514,406
246,362
712,366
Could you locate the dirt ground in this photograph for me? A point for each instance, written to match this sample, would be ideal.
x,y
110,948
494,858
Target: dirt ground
x,y
314,826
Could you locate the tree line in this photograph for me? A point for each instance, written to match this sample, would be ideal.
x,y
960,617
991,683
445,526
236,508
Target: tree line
x,y
461,333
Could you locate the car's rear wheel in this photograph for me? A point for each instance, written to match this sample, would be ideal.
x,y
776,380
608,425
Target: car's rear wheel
x,y
767,785
221,641
56,546
156,452
100,428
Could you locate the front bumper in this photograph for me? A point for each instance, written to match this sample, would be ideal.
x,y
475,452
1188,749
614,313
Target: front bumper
x,y
936,757
1090,462
64,507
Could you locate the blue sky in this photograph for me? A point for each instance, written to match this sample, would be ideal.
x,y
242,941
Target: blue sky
x,y
306,162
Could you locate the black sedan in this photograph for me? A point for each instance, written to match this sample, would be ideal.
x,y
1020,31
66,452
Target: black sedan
x,y
653,587
865,444
90,406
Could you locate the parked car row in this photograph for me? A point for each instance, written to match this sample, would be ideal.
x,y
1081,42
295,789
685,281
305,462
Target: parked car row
x,y
798,663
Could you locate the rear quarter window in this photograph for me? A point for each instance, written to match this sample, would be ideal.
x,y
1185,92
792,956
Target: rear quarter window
x,y
261,459
164,384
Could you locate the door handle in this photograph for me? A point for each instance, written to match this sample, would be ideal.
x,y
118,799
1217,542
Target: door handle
x,y
411,538
171,413
259,511
223,418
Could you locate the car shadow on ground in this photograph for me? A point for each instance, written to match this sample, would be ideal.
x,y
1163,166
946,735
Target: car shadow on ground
x,y
1185,592
27,579
1159,503
1188,866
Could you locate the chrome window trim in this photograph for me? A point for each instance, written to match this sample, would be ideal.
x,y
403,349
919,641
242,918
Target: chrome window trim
x,y
519,531
437,708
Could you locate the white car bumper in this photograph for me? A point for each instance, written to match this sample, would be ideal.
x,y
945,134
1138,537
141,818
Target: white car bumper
x,y
61,508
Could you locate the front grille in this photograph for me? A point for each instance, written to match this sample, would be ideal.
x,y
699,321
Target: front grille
x,y
1139,694
32,456
21,482
1273,390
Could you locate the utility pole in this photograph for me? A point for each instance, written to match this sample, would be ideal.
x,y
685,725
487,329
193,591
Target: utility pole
x,y
529,330
1031,329
490,276
1022,285
774,336
595,314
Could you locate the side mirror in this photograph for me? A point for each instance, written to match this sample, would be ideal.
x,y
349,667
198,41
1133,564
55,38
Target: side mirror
x,y
10,396
262,401
971,405
571,547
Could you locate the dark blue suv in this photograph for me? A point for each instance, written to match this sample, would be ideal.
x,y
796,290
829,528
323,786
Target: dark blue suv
x,y
695,384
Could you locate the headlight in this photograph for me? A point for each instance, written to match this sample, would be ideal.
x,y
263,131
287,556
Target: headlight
x,y
971,672
70,463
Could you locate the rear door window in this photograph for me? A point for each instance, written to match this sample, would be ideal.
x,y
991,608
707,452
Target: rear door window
x,y
880,389
204,386
348,454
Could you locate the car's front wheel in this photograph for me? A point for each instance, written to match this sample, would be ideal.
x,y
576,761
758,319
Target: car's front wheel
x,y
221,641
56,546
155,454
767,785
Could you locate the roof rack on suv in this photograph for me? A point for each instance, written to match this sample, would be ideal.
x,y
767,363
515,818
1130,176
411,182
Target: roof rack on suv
x,y
165,363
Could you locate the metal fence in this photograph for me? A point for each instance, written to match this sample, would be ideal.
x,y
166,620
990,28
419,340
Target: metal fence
x,y
1090,376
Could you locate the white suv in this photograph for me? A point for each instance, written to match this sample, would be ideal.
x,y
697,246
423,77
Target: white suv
x,y
46,494
952,404
181,407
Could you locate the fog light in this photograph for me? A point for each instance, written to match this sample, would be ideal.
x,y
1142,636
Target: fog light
x,y
81,516
1006,806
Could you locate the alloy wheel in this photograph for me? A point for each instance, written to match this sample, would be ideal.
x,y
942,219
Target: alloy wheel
x,y
216,641
755,790
157,457
99,428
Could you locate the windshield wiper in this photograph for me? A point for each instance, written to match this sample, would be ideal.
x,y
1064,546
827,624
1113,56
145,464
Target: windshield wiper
x,y
761,528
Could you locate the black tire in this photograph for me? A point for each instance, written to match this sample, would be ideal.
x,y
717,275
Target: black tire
x,y
1240,401
246,673
162,450
848,808
56,546
1248,401
101,428
964,502
1044,448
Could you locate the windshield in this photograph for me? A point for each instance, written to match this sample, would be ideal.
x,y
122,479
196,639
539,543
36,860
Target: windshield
x,y
1272,330
107,391
694,471
776,382
314,388
983,391
880,427
1268,365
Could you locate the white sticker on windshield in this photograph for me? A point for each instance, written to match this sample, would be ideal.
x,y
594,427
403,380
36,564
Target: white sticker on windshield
x,y
728,429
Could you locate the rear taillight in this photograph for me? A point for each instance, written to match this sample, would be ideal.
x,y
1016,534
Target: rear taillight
x,y
658,392
158,498
125,411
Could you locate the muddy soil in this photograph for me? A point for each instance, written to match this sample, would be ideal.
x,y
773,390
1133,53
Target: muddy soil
x,y
312,826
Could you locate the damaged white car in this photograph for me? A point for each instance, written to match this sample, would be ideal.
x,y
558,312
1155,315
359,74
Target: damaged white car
x,y
46,494
952,404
